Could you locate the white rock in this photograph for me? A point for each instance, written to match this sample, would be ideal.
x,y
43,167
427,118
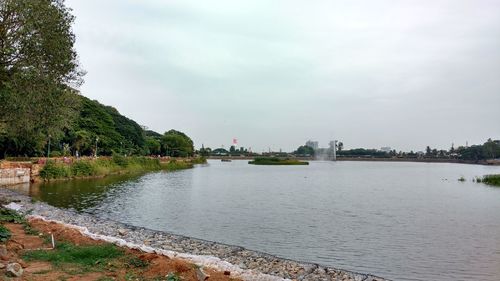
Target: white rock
x,y
14,270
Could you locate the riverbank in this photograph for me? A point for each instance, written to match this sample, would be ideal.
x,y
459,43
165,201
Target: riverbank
x,y
29,253
242,263
80,168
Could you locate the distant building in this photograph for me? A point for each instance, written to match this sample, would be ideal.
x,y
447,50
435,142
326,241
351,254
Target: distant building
x,y
385,149
220,152
313,144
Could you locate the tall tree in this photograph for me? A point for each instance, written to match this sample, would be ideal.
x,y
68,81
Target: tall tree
x,y
38,69
176,144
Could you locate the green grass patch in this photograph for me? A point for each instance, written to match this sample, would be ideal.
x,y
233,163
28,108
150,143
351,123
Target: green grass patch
x,y
7,215
4,234
492,180
276,161
94,256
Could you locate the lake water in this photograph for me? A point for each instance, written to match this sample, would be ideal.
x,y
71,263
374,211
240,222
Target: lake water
x,y
403,221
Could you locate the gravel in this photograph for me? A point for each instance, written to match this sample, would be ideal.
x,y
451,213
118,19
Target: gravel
x,y
247,264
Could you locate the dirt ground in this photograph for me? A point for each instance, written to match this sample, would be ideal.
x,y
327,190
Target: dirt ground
x,y
155,267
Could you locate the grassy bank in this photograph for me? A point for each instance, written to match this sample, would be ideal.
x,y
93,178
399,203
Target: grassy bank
x,y
114,165
491,180
276,161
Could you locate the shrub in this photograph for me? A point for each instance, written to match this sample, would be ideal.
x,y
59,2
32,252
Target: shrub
x,y
4,233
83,168
120,160
53,170
55,153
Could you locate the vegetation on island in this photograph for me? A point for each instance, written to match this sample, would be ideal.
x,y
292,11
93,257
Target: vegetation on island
x,y
491,180
276,161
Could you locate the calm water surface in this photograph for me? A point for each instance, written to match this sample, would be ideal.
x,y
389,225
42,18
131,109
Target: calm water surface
x,y
404,221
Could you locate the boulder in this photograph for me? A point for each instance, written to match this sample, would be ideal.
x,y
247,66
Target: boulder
x,y
14,270
3,252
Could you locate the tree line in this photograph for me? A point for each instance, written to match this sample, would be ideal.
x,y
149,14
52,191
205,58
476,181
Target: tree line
x,y
488,150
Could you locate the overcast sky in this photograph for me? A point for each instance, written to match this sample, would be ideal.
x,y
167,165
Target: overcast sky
x,y
403,74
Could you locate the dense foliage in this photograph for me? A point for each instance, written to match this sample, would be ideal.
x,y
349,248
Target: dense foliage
x,y
489,150
304,150
176,144
104,127
38,64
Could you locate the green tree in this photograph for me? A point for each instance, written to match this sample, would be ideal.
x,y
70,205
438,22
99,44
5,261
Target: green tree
x,y
304,150
176,144
428,151
38,64
153,146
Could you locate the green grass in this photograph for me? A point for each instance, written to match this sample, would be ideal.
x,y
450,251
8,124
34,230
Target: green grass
x,y
276,161
7,215
492,180
86,256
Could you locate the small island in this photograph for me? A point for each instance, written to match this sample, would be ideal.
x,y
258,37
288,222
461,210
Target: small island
x,y
276,161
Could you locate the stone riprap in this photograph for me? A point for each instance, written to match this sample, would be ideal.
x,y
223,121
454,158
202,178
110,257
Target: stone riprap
x,y
246,264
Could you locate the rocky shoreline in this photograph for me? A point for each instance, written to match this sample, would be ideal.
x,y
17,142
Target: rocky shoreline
x,y
246,264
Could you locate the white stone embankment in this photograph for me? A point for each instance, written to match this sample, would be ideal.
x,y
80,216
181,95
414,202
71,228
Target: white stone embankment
x,y
243,263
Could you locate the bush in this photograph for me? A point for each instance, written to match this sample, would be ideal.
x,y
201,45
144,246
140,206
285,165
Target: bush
x,y
83,168
53,170
4,233
55,153
120,160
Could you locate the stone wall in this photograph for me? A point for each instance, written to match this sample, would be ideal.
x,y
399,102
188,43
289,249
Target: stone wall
x,y
11,176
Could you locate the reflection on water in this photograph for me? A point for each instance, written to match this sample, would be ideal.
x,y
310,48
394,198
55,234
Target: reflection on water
x,y
404,221
79,194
